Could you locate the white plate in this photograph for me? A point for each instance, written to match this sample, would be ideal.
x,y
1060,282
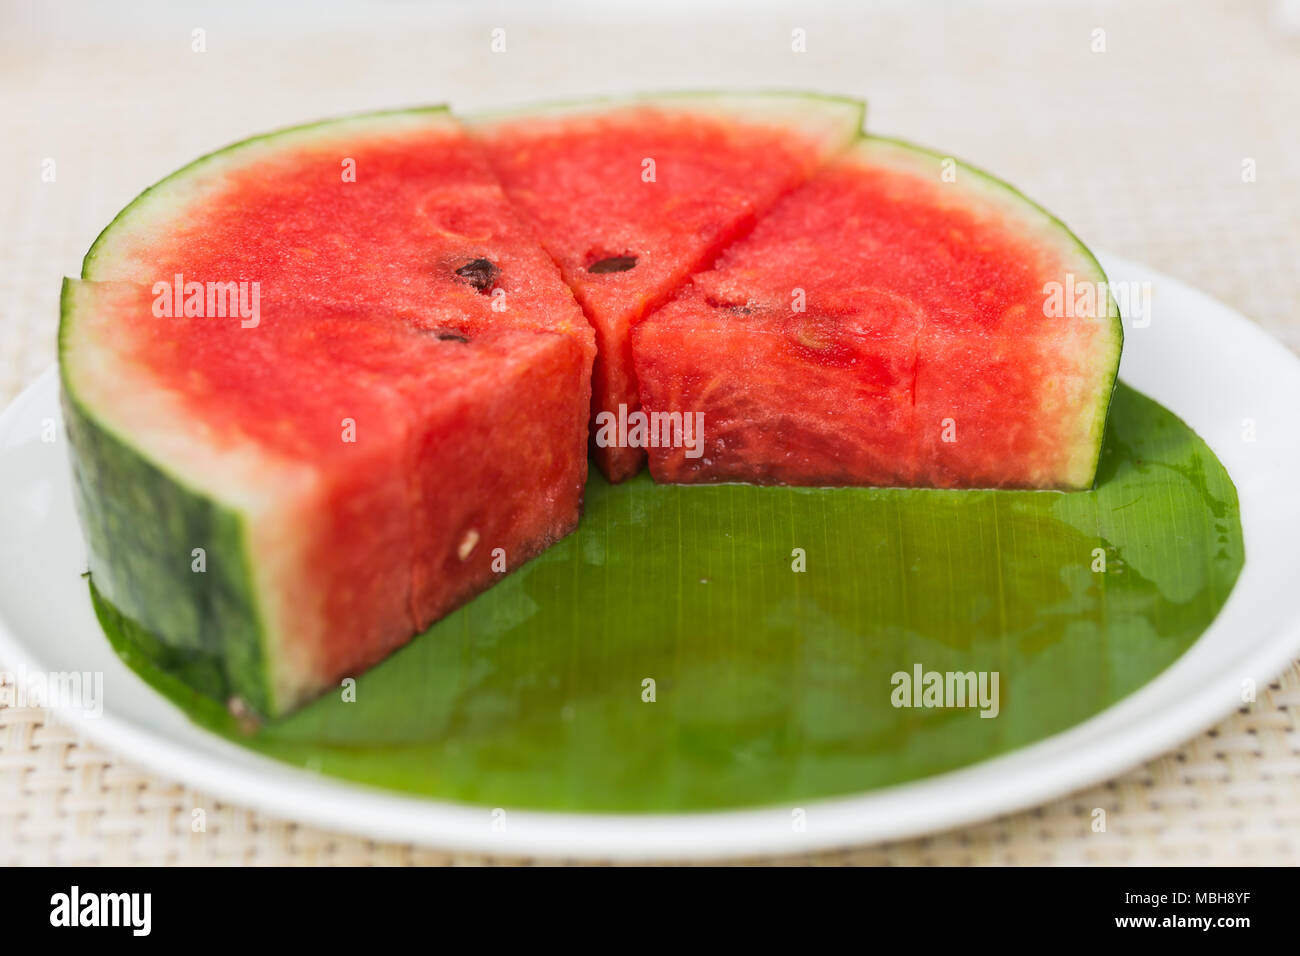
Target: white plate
x,y
1209,365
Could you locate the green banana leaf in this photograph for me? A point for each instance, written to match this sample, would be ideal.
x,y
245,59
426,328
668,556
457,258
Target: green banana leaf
x,y
704,647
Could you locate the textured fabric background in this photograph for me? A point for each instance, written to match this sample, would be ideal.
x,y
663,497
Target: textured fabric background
x,y
1140,147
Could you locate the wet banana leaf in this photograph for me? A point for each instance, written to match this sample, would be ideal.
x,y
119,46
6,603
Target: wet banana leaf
x,y
705,647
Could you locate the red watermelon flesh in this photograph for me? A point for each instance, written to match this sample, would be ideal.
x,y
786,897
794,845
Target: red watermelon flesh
x,y
922,354
626,233
412,303
277,209
819,398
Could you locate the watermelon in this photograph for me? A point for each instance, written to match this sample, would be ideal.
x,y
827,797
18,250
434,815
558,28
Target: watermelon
x,y
898,320
325,385
321,387
631,196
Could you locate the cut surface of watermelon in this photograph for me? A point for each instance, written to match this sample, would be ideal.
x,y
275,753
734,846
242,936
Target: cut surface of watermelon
x,y
887,324
631,196
400,420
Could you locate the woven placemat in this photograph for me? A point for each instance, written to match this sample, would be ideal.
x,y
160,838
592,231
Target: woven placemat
x,y
1161,131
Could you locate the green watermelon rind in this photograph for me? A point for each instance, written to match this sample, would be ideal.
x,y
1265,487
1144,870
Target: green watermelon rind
x,y
205,627
157,663
616,100
704,101
1015,198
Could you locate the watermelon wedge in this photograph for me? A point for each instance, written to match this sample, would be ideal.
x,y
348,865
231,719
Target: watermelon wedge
x,y
631,196
889,323
321,387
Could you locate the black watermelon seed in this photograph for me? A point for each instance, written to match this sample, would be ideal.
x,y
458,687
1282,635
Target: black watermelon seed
x,y
445,336
612,264
480,273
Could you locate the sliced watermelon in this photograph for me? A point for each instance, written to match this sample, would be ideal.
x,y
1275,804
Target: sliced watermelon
x,y
388,407
631,196
283,501
886,325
